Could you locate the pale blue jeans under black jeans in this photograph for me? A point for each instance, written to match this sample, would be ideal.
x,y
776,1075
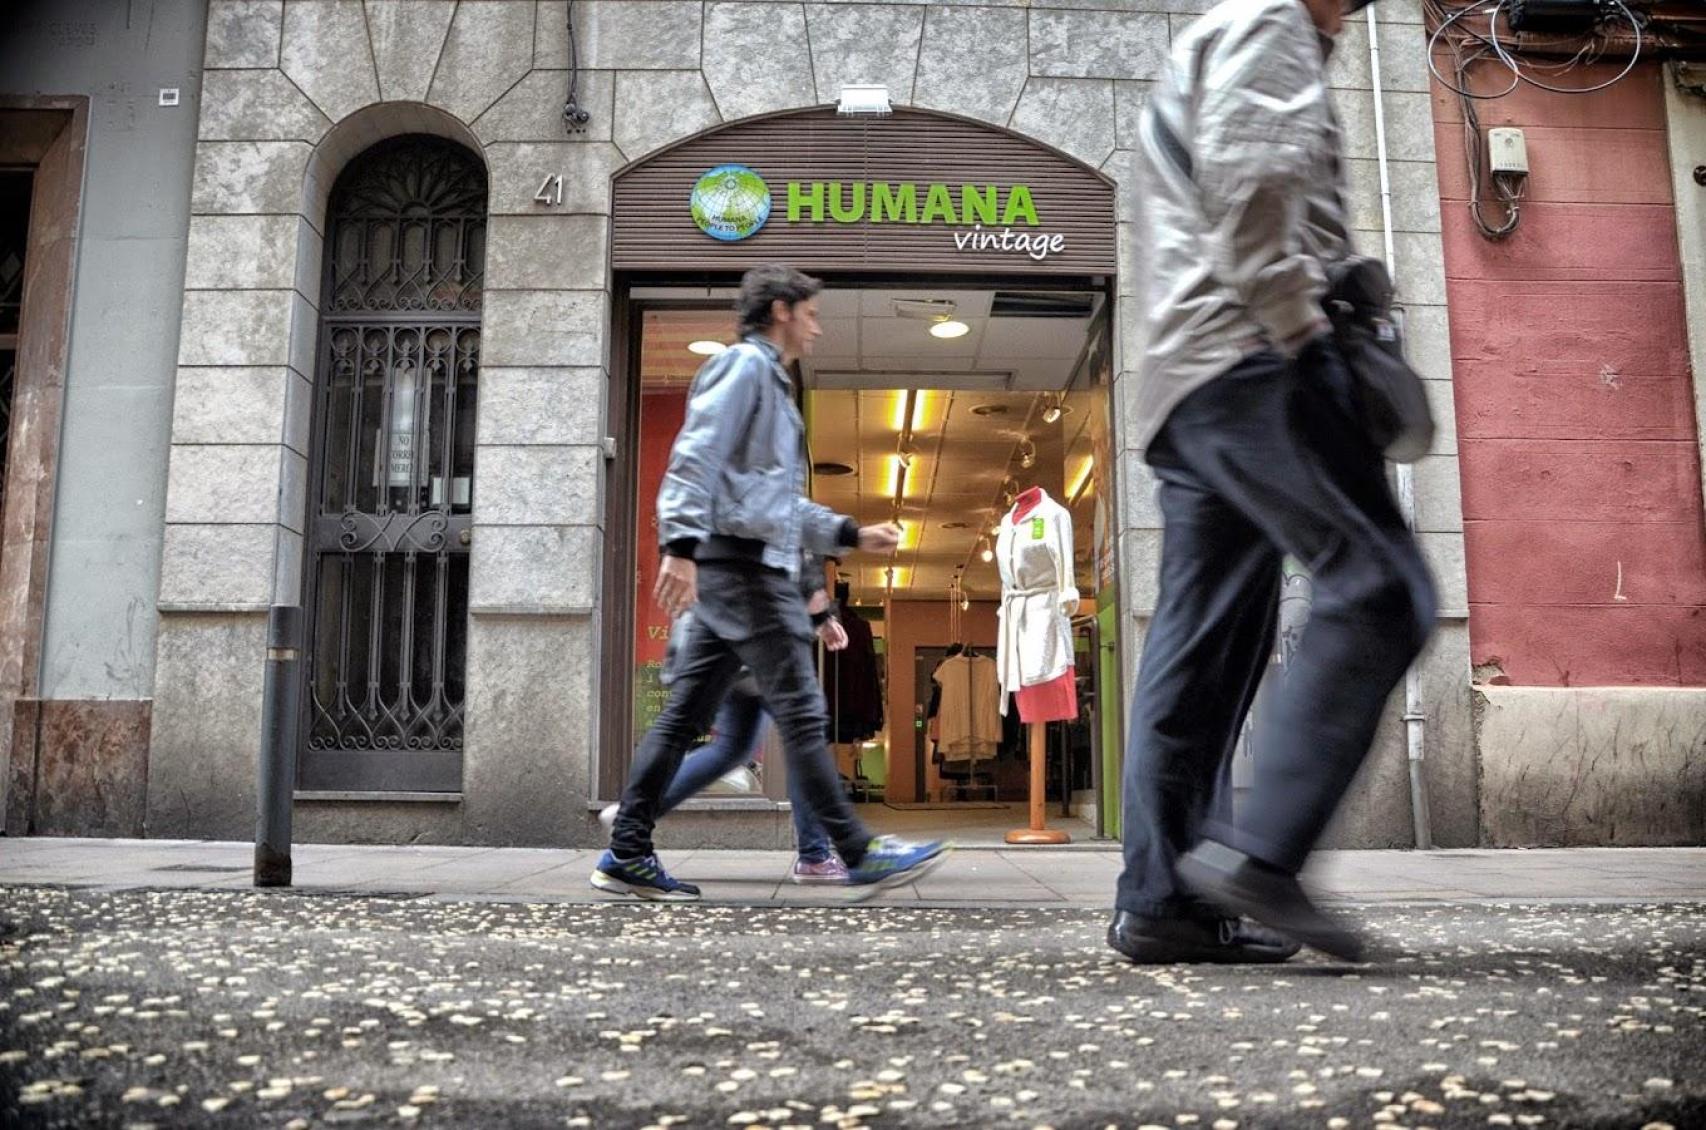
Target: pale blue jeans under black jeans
x,y
739,722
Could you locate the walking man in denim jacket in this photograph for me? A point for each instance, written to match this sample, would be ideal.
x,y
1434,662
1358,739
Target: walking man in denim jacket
x,y
734,521
1246,415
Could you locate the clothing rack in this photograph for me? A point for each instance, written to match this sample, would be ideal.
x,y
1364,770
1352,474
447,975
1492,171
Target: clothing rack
x,y
971,783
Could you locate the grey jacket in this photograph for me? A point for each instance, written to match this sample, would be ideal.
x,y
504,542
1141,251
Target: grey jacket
x,y
737,472
1241,198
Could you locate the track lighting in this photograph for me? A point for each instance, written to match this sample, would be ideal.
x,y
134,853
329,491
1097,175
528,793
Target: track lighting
x,y
1052,414
1027,455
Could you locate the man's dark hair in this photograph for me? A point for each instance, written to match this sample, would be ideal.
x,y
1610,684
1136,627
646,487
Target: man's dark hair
x,y
761,286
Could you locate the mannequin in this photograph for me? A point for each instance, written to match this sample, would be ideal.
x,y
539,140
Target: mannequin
x,y
1036,664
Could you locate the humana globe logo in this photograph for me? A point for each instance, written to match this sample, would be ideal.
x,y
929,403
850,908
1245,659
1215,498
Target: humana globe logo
x,y
730,202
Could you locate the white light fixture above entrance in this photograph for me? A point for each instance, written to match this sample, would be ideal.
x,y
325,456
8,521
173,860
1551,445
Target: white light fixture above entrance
x,y
864,101
949,329
706,348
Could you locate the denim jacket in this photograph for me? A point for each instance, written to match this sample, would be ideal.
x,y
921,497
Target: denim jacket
x,y
738,468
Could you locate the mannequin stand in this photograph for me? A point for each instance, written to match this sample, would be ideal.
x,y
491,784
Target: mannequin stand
x,y
1039,832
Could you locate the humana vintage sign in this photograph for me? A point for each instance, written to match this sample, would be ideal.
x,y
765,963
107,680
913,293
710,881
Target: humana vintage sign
x,y
733,202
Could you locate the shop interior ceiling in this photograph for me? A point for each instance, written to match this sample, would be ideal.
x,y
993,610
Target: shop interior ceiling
x,y
984,399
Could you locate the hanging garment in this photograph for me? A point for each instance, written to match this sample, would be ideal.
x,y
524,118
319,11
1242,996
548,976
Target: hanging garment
x,y
853,685
968,716
1033,551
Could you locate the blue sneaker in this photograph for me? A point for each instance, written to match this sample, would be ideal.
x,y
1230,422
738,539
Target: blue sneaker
x,y
644,878
892,862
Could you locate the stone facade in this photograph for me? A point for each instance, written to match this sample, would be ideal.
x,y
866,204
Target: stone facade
x,y
294,90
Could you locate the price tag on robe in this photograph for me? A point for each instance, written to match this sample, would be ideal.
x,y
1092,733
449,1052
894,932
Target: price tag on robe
x,y
1036,529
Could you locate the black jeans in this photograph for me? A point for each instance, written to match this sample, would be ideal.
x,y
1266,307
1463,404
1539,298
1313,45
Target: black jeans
x,y
752,616
1264,461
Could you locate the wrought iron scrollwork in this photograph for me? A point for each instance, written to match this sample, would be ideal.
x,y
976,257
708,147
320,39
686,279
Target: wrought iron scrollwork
x,y
410,218
414,533
400,356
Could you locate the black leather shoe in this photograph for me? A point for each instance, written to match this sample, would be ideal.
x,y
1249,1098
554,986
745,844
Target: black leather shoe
x,y
1195,940
1239,884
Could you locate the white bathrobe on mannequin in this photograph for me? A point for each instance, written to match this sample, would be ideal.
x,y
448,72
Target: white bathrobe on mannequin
x,y
1038,596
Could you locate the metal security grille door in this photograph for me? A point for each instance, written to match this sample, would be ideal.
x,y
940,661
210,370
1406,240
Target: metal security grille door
x,y
389,527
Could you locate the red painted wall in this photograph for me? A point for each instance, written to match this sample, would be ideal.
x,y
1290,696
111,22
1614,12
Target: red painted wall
x,y
1575,416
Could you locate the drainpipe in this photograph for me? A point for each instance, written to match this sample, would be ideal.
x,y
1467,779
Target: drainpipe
x,y
1414,718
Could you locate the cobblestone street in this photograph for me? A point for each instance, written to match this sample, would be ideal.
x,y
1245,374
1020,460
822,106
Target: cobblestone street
x,y
130,1008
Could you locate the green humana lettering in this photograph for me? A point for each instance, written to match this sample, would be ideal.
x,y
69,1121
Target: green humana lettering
x,y
1020,206
842,214
979,205
897,203
799,201
939,205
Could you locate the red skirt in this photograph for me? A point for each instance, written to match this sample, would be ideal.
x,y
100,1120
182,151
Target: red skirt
x,y
1053,701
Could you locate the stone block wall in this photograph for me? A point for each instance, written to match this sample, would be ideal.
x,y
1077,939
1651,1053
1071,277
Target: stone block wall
x,y
294,89
1583,766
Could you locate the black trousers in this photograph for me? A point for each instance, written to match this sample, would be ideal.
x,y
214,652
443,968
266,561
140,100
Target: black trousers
x,y
1264,461
756,617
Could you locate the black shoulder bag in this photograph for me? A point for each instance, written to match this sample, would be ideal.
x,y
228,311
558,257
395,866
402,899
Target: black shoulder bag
x,y
1391,399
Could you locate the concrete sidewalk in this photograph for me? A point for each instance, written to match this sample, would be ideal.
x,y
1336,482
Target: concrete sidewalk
x,y
1014,877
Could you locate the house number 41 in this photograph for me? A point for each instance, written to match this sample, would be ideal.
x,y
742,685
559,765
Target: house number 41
x,y
550,191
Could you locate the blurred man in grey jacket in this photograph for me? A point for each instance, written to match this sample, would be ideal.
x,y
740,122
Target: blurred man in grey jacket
x,y
1246,414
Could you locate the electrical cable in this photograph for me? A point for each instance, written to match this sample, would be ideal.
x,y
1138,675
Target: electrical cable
x,y
1590,50
1509,195
575,116
1634,55
1495,7
1508,188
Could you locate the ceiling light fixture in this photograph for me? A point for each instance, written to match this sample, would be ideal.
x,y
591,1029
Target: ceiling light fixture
x,y
706,348
1053,413
985,550
1027,455
925,309
949,328
897,477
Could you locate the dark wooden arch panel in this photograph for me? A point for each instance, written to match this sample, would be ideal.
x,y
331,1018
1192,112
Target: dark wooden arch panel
x,y
652,228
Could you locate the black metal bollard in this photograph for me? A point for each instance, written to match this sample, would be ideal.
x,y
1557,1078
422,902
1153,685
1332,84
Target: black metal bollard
x,y
280,714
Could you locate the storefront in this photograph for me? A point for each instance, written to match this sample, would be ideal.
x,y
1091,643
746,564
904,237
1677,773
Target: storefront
x,y
434,332
966,356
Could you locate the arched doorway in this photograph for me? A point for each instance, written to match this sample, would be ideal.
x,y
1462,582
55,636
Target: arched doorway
x,y
903,216
389,514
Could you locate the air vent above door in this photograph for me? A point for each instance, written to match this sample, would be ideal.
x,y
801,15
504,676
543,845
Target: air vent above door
x,y
1039,304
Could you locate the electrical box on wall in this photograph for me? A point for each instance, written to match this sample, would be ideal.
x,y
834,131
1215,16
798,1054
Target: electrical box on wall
x,y
1507,152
